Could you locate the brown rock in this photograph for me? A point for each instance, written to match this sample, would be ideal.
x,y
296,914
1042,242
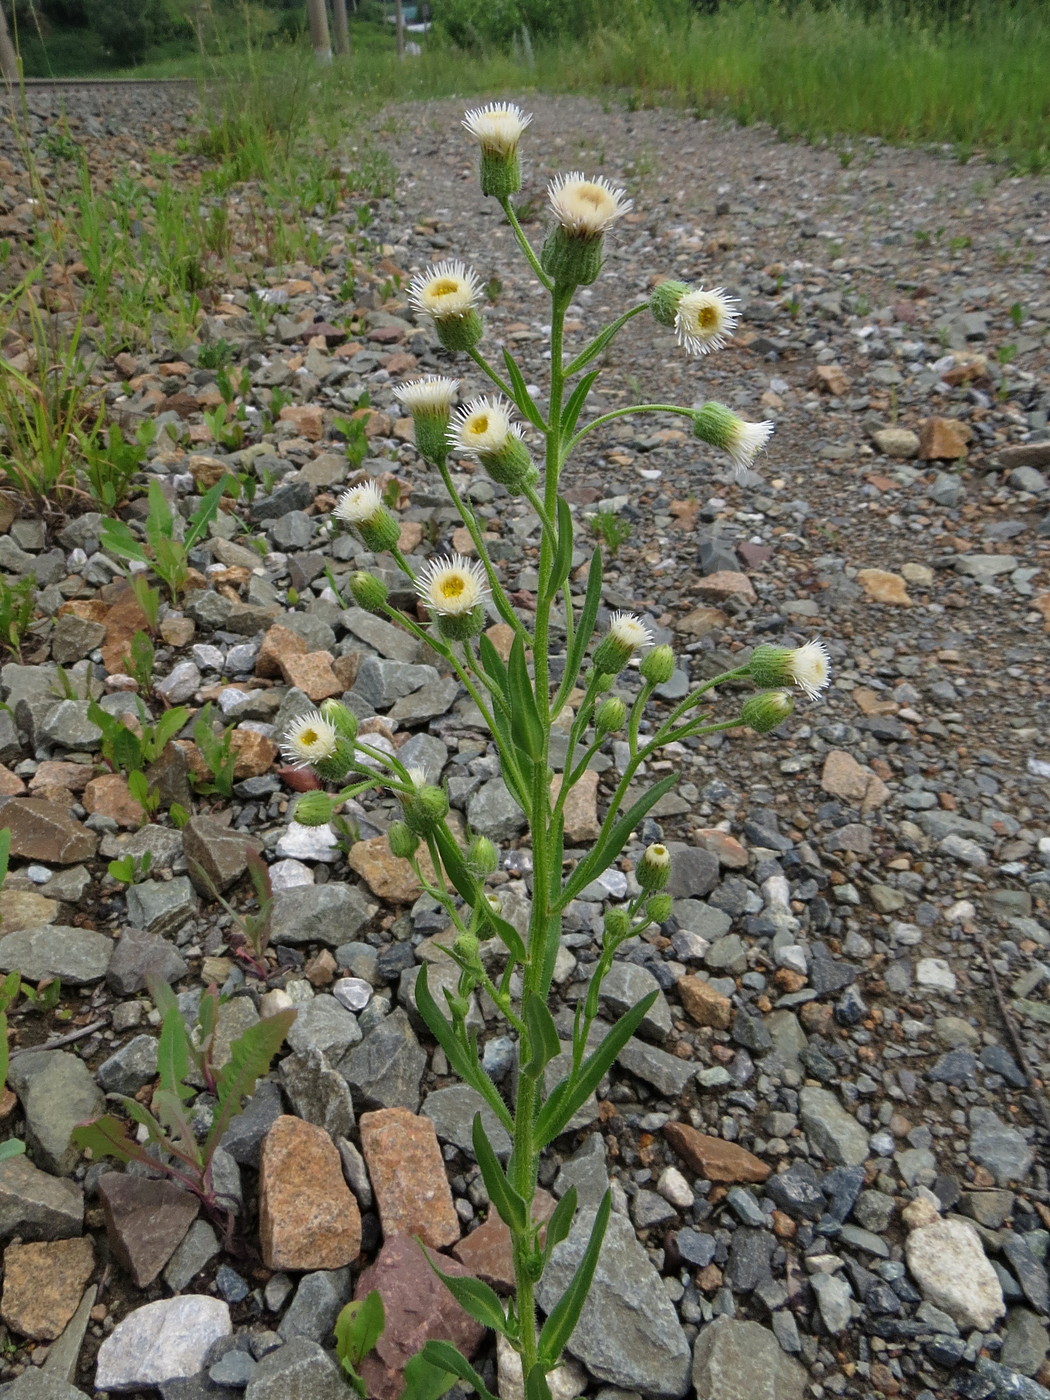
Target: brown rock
x,y
308,1216
43,1285
411,536
207,471
701,621
278,645
387,875
307,418
703,1004
968,367
712,1157
418,1309
313,674
176,630
146,1220
731,854
408,1176
255,754
725,584
581,807
942,440
24,909
216,855
122,621
487,1252
42,831
832,379
843,777
1024,454
109,796
501,635
11,785
169,776
709,1279
74,776
884,587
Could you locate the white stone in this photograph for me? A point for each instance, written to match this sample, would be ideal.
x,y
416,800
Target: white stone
x,y
309,843
181,684
352,992
948,1263
793,957
161,1342
961,912
935,975
289,875
566,1381
674,1188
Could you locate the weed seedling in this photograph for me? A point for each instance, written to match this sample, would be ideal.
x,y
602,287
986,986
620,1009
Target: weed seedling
x,y
17,603
611,529
164,551
131,869
217,753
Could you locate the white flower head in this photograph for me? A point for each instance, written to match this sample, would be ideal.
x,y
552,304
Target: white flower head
x,y
497,127
309,739
446,290
483,425
810,667
746,441
629,631
360,504
705,320
433,394
585,208
417,777
453,586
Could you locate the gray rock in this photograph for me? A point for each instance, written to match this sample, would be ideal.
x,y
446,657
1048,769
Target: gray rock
x,y
788,1042
694,916
666,1073
586,1169
937,825
161,1341
300,1370
985,568
874,1210
161,906
37,1206
626,984
628,1333
1027,1342
75,638
37,1385
330,914
130,1067
323,1024
386,1069
1029,1271
431,700
68,726
694,871
452,1111
727,954
381,682
1007,1384
235,1370
243,1138
198,1248
743,1361
835,1301
57,1091
138,957
831,1129
1026,479
317,1303
317,1093
494,813
994,1145
76,955
947,490
381,636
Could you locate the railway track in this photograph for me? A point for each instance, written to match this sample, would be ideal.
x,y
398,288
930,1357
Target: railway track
x,y
63,84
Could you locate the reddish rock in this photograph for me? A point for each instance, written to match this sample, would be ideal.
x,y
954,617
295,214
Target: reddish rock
x,y
254,754
942,440
843,777
387,875
725,584
74,776
278,644
312,673
146,1220
418,1309
43,1285
11,785
713,1158
42,831
731,854
832,379
108,795
703,1004
486,1252
123,619
308,1216
307,418
408,1176
883,587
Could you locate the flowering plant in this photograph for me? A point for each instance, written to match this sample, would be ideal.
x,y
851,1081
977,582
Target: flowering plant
x,y
520,695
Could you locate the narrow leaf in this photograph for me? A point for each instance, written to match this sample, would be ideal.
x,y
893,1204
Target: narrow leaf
x,y
612,842
592,351
536,1387
566,1312
563,558
525,721
588,615
173,1053
560,1223
474,1297
358,1327
543,1036
445,1356
423,1380
108,1137
569,1095
454,864
504,931
493,663
204,512
250,1058
522,397
459,1057
573,409
506,1202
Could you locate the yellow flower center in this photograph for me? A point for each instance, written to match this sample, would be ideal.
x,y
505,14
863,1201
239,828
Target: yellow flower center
x,y
453,586
594,196
309,737
447,287
479,425
707,317
658,852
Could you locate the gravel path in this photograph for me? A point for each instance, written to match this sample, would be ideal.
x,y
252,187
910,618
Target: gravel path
x,y
827,1157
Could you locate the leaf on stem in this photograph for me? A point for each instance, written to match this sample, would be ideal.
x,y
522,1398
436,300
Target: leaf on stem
x,y
526,729
522,397
474,1297
573,409
612,841
565,1314
536,1387
563,557
560,1223
462,1060
424,1380
357,1329
445,1357
544,1044
509,1206
493,664
250,1057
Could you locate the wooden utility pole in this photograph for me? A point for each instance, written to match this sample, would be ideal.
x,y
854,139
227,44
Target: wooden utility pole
x,y
340,26
400,28
8,56
319,30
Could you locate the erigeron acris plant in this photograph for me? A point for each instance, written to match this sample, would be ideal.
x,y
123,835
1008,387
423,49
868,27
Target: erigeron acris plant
x,y
520,696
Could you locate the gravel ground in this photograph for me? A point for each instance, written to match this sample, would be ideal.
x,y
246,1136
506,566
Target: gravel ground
x,y
826,1147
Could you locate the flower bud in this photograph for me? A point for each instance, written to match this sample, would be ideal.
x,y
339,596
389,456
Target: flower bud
x,y
765,711
583,210
429,401
449,292
424,808
806,666
342,720
663,302
482,857
617,924
654,868
368,592
461,627
657,666
314,809
497,128
570,261
341,761
483,430
363,508
721,427
458,334
494,902
611,715
659,907
626,635
466,945
402,842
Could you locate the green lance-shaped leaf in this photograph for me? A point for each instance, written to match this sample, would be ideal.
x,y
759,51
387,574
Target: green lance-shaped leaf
x,y
493,664
536,1387
506,1202
250,1058
560,1223
13,1147
588,615
201,517
423,1380
445,1357
475,1298
357,1329
5,852
572,410
522,397
613,840
572,1092
524,718
463,1061
109,1137
563,557
118,539
504,931
565,1314
173,1049
592,351
543,1036
168,726
454,864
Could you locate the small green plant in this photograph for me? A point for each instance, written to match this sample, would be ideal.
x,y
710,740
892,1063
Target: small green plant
x,y
250,942
492,289
217,753
109,466
216,355
1017,315
612,529
140,660
163,550
148,599
1005,355
227,431
229,388
131,869
359,1327
146,796
960,243
126,751
9,989
178,815
44,997
17,605
184,1055
355,439
261,310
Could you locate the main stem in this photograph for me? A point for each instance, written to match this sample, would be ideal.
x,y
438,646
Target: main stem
x,y
524,1158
